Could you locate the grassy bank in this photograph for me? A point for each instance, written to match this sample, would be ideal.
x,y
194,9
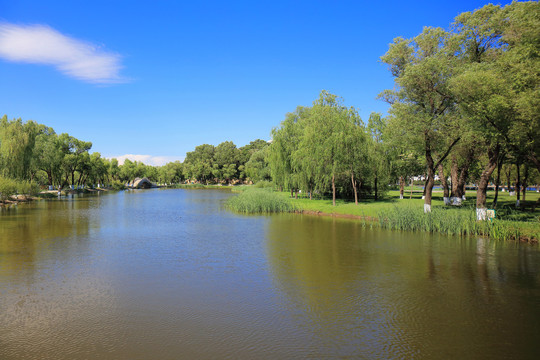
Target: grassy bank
x,y
407,214
452,221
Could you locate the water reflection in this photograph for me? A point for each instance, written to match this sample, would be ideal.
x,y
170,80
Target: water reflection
x,y
30,232
172,274
369,292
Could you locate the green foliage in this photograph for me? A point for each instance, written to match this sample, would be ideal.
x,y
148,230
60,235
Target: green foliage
x,y
257,200
264,184
320,148
8,187
28,188
257,168
118,185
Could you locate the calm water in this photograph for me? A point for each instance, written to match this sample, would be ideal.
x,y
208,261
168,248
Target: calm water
x,y
170,274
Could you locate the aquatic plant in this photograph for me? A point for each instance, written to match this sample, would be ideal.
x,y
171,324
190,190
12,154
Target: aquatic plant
x,y
447,221
259,200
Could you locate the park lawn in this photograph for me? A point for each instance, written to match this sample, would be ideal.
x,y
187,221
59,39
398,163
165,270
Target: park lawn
x,y
524,220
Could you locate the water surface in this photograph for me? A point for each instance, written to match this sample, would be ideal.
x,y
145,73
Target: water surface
x,y
169,274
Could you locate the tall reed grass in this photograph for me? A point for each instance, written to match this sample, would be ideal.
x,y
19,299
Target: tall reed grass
x,y
447,221
259,200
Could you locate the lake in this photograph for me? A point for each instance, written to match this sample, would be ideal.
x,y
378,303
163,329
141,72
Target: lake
x,y
172,274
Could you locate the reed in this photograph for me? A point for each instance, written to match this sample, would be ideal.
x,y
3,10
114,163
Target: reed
x,y
447,221
259,200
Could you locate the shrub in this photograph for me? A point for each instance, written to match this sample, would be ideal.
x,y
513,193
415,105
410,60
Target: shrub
x,y
118,185
28,188
8,187
264,184
254,200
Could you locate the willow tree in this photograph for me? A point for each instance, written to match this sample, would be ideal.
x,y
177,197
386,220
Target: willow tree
x,y
285,141
332,143
422,104
17,141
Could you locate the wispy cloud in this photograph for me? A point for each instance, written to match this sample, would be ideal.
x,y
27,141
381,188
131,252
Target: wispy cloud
x,y
146,159
40,44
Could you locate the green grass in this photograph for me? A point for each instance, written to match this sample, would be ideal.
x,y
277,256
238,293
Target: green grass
x,y
259,200
511,223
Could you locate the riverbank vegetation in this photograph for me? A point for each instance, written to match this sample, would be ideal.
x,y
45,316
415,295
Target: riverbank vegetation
x,y
259,200
403,214
463,113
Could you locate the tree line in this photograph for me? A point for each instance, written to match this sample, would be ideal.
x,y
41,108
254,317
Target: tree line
x,y
465,106
35,152
466,101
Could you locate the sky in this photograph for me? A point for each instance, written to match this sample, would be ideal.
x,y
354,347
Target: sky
x,y
152,80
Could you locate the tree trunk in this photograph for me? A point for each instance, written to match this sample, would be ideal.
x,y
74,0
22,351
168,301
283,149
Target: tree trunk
x,y
49,176
444,183
354,188
497,182
429,190
454,176
431,166
428,186
401,187
518,184
333,190
481,210
376,195
310,192
525,179
509,170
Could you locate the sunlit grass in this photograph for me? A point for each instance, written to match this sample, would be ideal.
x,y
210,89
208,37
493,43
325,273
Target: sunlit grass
x,y
259,200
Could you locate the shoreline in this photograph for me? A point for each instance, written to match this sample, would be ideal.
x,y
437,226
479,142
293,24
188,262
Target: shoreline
x,y
45,195
522,238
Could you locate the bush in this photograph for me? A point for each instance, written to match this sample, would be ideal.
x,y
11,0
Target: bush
x,y
264,184
8,187
118,185
256,201
28,188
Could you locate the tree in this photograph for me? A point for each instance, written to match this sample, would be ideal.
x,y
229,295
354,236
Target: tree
x,y
331,142
499,86
284,143
422,104
257,167
73,160
199,163
48,155
17,141
379,154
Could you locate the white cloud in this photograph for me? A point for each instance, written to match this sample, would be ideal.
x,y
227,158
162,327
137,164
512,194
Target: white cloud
x,y
146,159
40,44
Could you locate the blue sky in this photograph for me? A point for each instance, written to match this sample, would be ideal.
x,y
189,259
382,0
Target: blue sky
x,y
155,79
